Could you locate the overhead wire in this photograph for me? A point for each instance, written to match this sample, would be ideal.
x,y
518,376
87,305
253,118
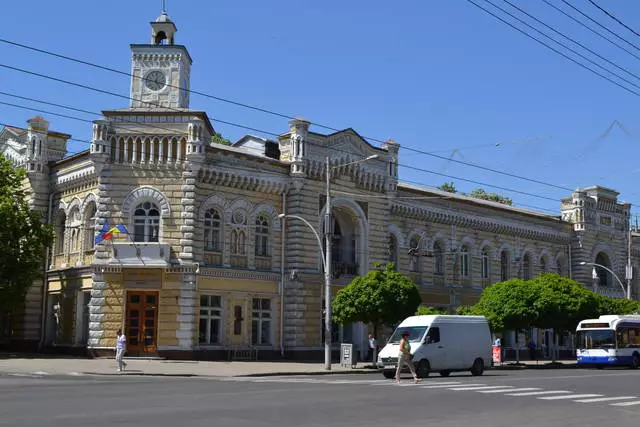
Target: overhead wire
x,y
631,73
548,3
66,57
554,49
610,15
568,48
600,25
347,152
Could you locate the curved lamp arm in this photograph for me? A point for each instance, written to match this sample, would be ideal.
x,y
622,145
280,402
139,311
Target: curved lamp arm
x,y
624,291
315,233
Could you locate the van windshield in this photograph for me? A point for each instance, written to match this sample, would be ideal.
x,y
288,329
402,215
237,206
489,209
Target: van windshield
x,y
415,334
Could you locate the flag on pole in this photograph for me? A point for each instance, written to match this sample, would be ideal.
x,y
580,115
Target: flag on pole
x,y
108,233
105,229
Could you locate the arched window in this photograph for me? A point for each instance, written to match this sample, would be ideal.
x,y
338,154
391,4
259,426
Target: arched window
x,y
603,275
560,266
414,255
262,236
504,265
465,262
393,249
485,264
89,227
146,223
212,231
234,241
543,265
242,243
438,258
526,267
61,229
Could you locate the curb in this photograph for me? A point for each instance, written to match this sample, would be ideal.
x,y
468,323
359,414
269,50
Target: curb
x,y
515,367
142,374
312,373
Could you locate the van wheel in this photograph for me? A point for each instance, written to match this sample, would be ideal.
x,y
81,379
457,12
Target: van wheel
x,y
423,369
635,364
478,368
445,373
388,374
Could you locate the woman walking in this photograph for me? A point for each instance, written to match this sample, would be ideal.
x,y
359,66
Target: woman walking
x,y
404,358
121,347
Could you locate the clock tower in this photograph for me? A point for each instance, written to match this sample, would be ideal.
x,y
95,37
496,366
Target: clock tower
x,y
160,70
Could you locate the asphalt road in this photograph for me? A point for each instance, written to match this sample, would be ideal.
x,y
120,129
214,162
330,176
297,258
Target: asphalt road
x,y
499,398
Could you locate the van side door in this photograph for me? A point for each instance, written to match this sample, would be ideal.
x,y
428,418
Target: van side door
x,y
435,350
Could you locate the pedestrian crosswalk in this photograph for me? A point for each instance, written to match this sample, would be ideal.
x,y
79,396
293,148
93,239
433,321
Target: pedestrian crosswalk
x,y
505,390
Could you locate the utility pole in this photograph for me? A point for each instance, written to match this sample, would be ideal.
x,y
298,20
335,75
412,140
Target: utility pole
x,y
327,272
629,272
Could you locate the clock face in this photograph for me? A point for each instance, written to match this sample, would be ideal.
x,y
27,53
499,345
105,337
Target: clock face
x,y
155,80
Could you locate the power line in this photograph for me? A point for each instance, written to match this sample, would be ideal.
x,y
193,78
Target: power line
x,y
564,46
574,41
610,15
408,148
335,149
600,25
591,29
553,49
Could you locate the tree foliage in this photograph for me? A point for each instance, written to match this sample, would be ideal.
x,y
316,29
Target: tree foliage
x,y
449,187
381,297
425,310
219,139
562,302
547,301
23,238
480,193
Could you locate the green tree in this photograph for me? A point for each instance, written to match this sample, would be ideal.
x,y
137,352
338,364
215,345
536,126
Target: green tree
x,y
608,305
480,193
24,239
449,187
381,297
562,302
219,139
507,305
425,310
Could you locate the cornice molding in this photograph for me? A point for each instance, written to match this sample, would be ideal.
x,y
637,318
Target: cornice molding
x,y
475,222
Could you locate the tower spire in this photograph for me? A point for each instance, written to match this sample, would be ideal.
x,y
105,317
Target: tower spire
x,y
164,6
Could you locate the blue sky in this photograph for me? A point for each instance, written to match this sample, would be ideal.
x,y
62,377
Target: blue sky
x,y
438,76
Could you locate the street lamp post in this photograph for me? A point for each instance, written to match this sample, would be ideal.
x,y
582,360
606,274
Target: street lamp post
x,y
626,292
326,252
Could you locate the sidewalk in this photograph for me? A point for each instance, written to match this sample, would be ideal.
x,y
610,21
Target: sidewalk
x,y
78,366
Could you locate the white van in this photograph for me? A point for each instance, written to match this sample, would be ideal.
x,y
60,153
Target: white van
x,y
441,343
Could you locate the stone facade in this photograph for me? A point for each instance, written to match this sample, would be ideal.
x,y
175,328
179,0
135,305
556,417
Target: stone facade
x,y
209,270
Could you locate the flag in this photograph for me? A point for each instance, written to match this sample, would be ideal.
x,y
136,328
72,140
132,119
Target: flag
x,y
101,236
122,229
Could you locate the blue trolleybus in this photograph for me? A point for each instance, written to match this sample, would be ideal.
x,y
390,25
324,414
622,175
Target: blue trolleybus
x,y
609,340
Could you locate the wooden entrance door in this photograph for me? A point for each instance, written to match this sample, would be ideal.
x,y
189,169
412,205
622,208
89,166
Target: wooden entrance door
x,y
142,323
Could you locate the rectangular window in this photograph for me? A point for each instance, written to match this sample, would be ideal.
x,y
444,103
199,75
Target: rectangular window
x,y
261,321
210,319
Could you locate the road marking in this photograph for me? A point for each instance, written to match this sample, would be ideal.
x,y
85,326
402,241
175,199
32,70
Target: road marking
x,y
476,388
569,396
537,393
41,373
635,402
510,390
445,385
605,399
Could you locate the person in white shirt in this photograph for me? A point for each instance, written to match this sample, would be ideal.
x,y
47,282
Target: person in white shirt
x,y
372,349
121,348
